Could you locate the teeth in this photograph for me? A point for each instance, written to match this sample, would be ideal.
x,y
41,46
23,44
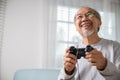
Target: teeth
x,y
85,23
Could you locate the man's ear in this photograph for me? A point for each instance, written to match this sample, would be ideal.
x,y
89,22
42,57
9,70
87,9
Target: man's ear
x,y
99,25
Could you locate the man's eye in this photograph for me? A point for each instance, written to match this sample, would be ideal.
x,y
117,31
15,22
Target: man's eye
x,y
90,14
79,16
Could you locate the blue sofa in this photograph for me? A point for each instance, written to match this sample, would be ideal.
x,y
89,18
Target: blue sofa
x,y
36,74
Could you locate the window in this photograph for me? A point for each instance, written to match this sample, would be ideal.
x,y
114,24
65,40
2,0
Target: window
x,y
107,29
66,31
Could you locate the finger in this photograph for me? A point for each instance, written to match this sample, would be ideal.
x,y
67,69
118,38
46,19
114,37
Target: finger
x,y
92,60
91,52
93,56
69,64
70,60
94,64
89,56
67,50
68,55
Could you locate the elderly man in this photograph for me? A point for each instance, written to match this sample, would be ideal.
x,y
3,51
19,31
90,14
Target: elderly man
x,y
101,63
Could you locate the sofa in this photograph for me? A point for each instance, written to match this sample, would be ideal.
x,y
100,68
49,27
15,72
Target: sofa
x,y
36,74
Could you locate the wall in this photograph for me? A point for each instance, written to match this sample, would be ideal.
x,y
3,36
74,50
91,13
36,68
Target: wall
x,y
20,47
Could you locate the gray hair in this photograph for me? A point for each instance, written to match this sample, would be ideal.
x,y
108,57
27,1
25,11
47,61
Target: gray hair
x,y
97,14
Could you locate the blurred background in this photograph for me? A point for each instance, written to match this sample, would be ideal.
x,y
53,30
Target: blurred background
x,y
35,33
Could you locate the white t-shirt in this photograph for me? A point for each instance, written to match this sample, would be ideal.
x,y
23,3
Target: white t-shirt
x,y
84,71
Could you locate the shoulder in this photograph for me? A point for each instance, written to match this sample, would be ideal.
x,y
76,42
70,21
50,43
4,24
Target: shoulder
x,y
107,41
114,44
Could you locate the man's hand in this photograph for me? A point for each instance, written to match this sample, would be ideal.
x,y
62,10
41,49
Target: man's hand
x,y
70,61
97,59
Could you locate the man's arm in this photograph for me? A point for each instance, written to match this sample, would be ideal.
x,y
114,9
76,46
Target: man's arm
x,y
113,68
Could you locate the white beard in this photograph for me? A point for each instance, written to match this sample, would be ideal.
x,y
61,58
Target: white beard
x,y
87,33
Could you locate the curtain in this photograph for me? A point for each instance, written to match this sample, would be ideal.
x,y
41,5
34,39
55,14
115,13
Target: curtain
x,y
2,18
51,53
47,32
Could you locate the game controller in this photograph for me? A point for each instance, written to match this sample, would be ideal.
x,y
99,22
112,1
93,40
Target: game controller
x,y
80,52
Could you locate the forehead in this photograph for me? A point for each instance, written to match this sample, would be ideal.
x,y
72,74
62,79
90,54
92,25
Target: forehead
x,y
84,10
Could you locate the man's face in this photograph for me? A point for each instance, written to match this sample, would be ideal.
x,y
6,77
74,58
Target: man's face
x,y
86,22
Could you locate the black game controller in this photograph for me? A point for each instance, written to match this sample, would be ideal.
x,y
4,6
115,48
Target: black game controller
x,y
80,52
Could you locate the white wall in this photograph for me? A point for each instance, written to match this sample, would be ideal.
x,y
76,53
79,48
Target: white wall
x,y
21,37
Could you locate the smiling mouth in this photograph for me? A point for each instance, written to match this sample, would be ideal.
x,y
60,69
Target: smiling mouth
x,y
85,24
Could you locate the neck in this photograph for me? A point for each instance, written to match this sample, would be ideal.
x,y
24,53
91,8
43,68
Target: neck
x,y
91,39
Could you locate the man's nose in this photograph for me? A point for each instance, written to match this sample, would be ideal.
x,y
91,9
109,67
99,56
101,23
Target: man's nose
x,y
84,18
